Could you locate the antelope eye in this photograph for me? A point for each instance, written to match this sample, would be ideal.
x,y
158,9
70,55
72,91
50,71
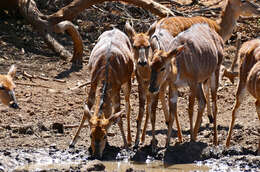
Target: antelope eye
x,y
162,69
105,137
91,136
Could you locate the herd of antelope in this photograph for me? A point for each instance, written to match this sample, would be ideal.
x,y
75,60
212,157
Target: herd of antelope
x,y
173,53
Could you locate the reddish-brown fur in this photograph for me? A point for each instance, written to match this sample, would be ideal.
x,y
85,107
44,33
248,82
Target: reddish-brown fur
x,y
195,56
7,86
111,67
249,55
224,26
142,59
233,9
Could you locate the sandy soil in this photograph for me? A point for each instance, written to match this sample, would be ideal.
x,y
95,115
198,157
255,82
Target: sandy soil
x,y
49,107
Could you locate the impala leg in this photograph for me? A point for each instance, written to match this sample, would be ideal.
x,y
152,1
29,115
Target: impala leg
x,y
214,88
127,90
239,97
190,110
142,97
75,138
152,112
206,93
173,99
238,45
257,105
116,100
201,107
163,102
148,112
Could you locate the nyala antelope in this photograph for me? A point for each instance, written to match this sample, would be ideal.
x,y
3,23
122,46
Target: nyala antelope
x,y
142,59
224,26
249,79
7,86
111,67
194,57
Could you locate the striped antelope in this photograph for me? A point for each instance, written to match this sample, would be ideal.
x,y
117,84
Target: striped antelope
x,y
194,57
110,67
7,86
142,59
249,78
224,26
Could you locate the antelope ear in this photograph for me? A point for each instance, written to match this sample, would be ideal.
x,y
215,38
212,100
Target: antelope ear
x,y
129,30
152,28
12,71
175,52
115,118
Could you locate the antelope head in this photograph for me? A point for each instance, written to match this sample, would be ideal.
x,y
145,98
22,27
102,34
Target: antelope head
x,y
141,47
160,67
245,7
99,126
7,86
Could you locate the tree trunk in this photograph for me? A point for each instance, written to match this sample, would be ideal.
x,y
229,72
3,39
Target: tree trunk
x,y
74,8
59,22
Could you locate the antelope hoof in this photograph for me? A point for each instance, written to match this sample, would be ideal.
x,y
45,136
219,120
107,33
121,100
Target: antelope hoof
x,y
76,65
211,120
72,146
136,145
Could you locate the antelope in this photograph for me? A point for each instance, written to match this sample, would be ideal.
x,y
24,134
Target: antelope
x,y
7,86
111,67
142,58
194,58
249,55
223,26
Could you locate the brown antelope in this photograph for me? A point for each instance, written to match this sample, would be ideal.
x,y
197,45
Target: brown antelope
x,y
7,86
142,57
249,77
111,67
195,56
224,26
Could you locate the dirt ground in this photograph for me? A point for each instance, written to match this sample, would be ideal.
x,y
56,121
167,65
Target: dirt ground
x,y
48,107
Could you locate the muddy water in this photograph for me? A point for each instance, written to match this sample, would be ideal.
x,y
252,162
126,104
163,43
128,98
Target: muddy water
x,y
154,166
185,157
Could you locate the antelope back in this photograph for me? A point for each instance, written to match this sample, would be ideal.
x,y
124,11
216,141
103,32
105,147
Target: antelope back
x,y
253,81
202,53
7,86
114,50
176,25
248,54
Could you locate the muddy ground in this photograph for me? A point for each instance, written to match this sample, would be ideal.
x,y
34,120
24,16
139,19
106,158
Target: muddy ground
x,y
41,127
